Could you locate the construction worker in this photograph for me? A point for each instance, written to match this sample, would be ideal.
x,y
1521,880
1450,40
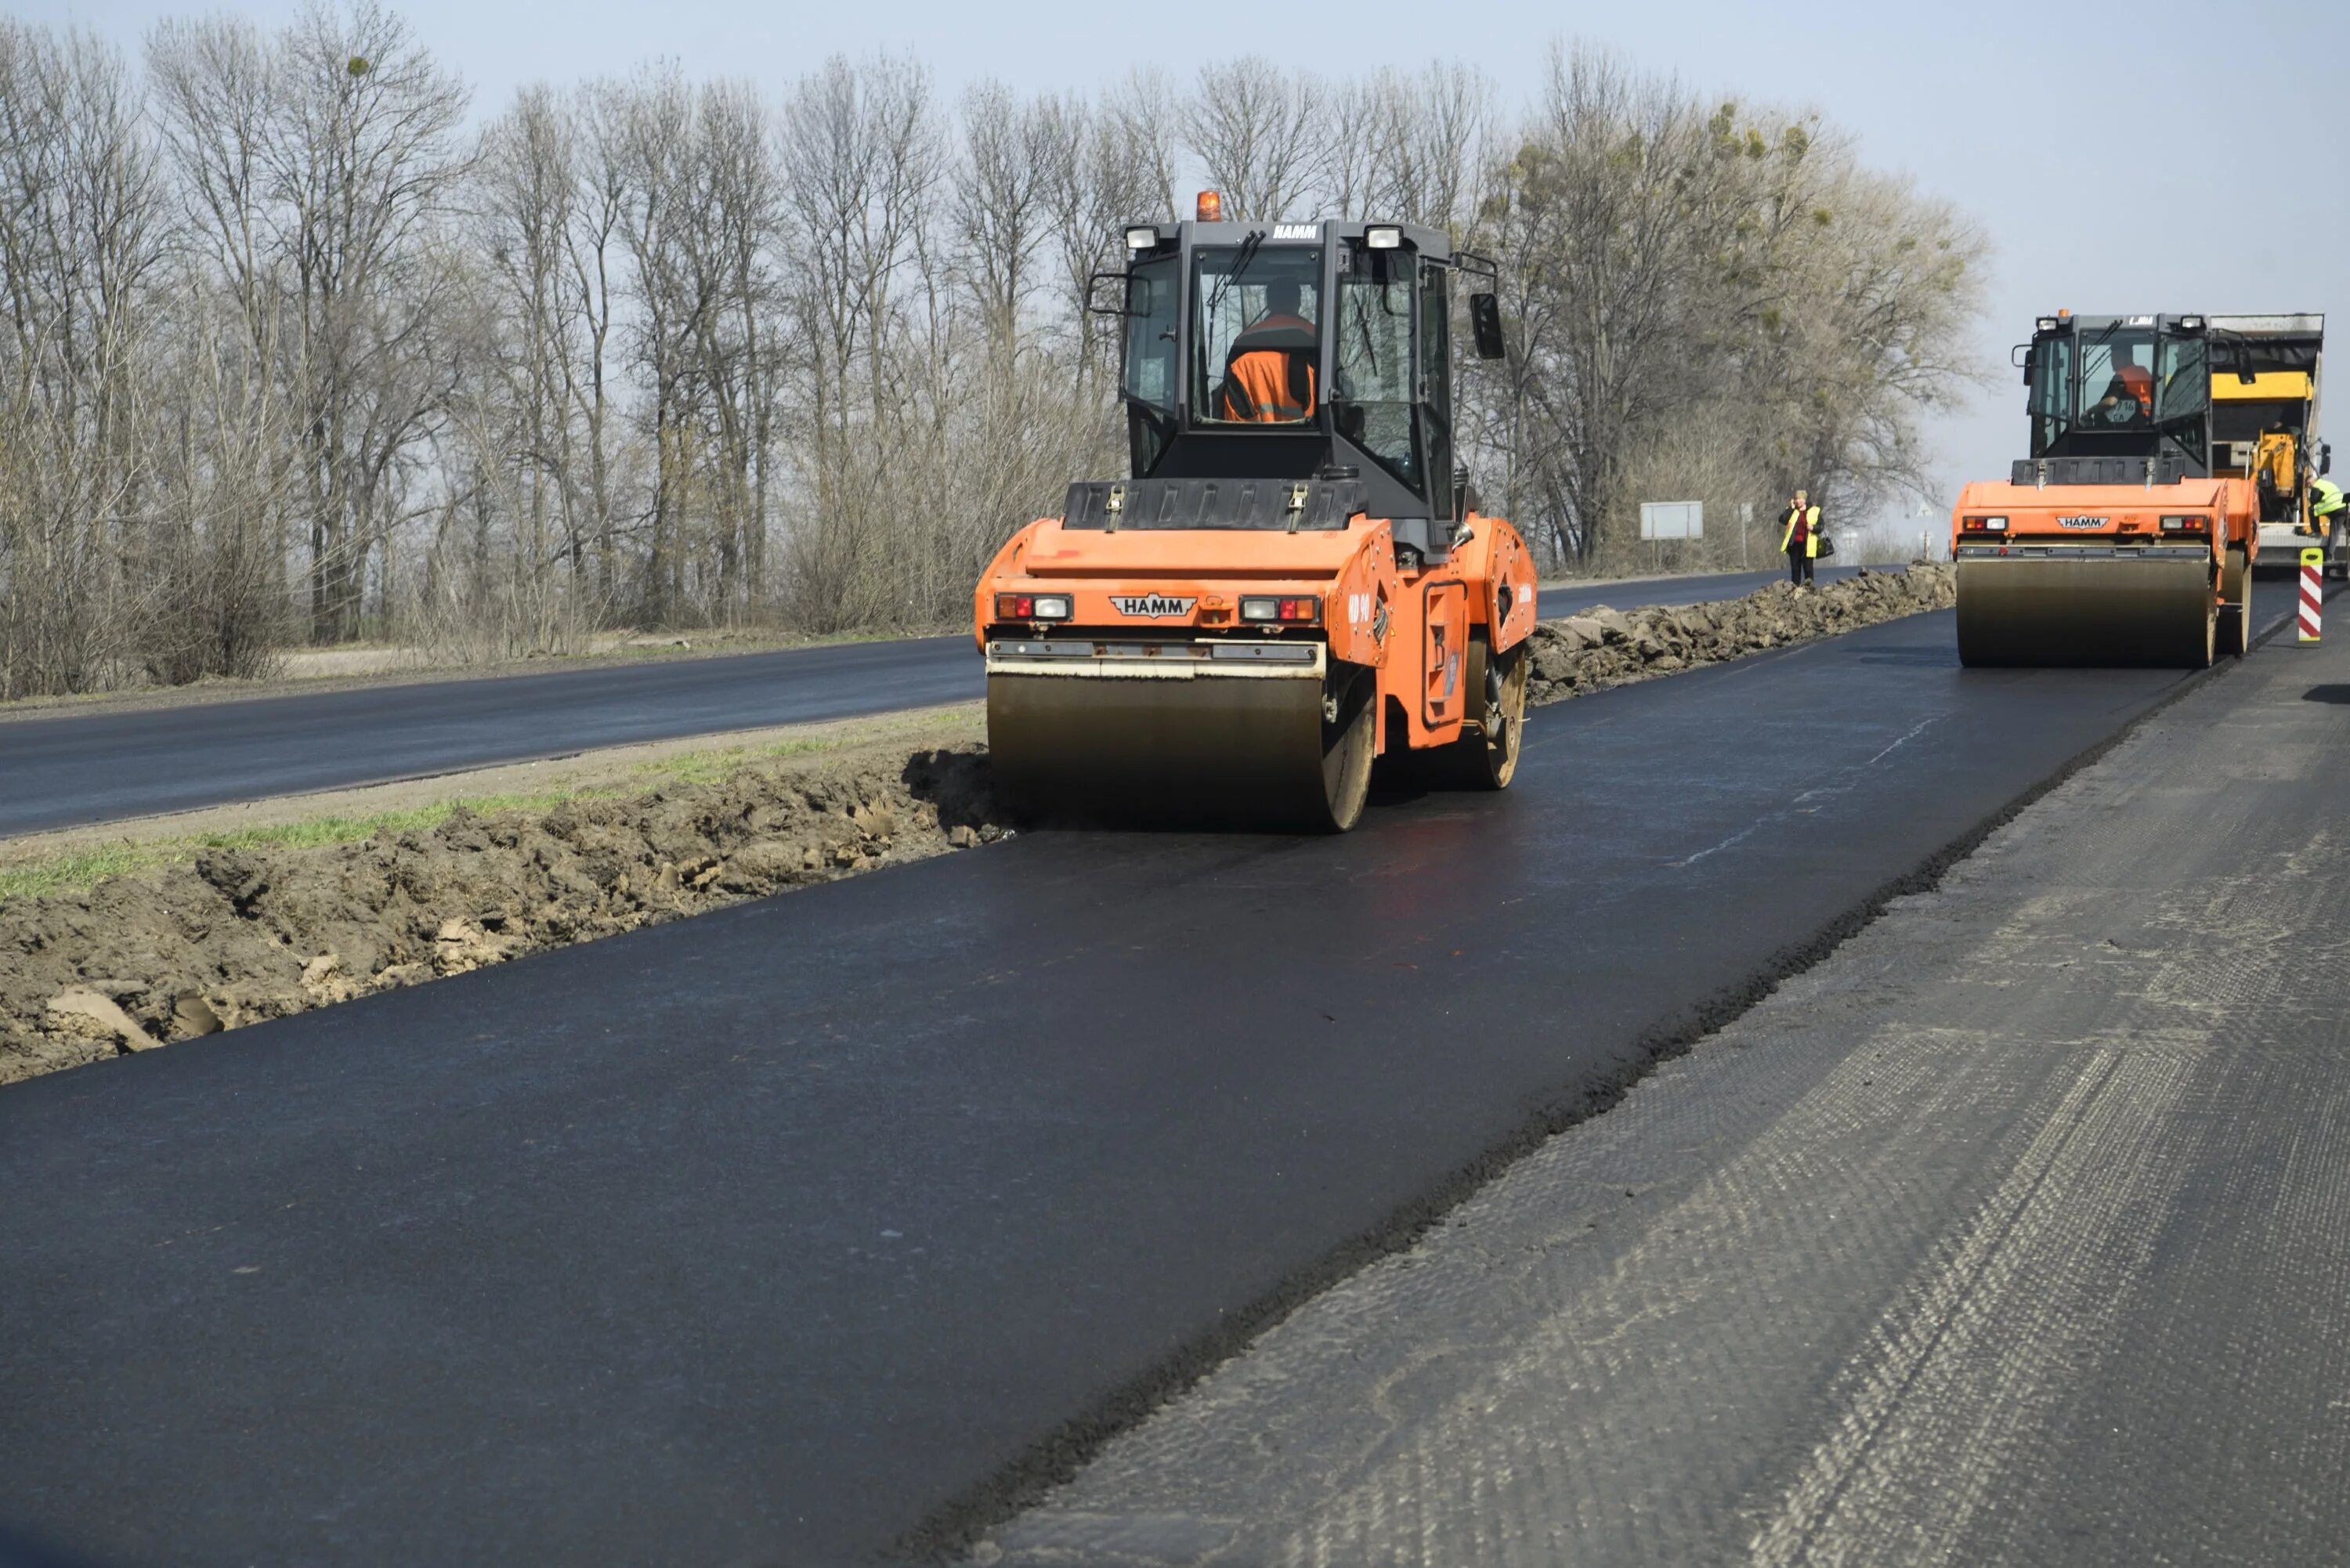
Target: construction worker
x,y
2324,502
1800,539
1269,376
2130,394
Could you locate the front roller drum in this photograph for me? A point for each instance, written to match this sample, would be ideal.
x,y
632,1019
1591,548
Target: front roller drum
x,y
2100,610
1278,753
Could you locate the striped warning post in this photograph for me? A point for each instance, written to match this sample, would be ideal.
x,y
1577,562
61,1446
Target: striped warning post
x,y
2312,593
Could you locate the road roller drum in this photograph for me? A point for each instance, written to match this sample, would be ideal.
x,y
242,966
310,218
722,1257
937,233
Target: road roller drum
x,y
2099,610
1117,744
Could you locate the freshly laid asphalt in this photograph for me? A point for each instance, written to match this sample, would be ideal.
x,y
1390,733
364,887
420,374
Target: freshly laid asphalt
x,y
805,1232
2013,1233
74,769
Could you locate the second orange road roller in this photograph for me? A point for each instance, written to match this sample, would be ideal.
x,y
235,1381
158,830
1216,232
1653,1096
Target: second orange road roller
x,y
1294,582
2113,543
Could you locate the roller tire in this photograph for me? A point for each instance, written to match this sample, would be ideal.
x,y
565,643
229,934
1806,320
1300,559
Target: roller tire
x,y
2232,631
1488,759
1349,746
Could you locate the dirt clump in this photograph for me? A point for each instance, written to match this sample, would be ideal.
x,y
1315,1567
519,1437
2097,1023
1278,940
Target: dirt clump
x,y
1603,647
243,935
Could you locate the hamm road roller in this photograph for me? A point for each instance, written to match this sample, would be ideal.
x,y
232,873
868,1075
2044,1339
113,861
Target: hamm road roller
x,y
2113,543
1293,580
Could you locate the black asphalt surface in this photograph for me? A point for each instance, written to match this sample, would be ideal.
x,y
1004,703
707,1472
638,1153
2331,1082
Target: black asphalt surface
x,y
2013,1233
769,1235
73,769
97,767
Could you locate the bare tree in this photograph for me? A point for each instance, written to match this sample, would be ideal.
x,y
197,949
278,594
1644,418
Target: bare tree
x,y
81,247
282,346
1257,130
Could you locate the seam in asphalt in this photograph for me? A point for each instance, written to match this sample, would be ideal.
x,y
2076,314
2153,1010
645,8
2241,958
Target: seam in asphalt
x,y
954,1527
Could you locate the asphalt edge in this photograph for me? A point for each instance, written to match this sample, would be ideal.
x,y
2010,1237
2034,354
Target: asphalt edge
x,y
949,1531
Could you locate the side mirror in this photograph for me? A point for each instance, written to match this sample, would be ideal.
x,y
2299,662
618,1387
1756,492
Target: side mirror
x,y
2031,362
1124,293
1485,322
2326,457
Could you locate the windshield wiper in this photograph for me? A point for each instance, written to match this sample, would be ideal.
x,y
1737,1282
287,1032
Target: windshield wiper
x,y
1241,259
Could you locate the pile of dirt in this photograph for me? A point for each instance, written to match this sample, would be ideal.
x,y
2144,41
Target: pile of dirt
x,y
241,935
1606,647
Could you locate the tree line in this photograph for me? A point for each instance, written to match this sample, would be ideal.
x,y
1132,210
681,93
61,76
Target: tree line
x,y
297,349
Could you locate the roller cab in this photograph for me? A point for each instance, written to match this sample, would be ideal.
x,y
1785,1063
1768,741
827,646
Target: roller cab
x,y
2114,543
1293,582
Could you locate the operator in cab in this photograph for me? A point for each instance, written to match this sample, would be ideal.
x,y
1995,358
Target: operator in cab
x,y
2130,394
1270,374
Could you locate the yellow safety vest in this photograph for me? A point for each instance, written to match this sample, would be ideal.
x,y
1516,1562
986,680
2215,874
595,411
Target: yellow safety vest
x,y
1811,530
2325,498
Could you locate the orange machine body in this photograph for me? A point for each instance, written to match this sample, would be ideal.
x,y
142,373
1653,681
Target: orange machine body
x,y
1177,591
2218,515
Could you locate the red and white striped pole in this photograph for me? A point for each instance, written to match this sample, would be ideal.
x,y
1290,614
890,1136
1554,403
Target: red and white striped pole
x,y
2312,593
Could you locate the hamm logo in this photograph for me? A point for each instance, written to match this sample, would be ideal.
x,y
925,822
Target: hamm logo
x,y
1151,606
2080,522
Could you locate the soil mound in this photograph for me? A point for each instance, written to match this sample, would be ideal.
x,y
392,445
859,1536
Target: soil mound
x,y
1604,648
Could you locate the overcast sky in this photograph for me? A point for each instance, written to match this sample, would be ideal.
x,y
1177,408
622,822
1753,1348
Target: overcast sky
x,y
2126,157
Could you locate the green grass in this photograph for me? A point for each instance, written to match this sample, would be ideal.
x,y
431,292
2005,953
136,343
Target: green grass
x,y
712,767
78,870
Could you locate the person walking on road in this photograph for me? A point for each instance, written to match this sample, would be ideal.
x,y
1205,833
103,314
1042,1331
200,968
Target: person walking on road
x,y
1800,539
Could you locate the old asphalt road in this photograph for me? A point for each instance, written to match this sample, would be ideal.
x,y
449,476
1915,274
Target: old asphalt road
x,y
2017,1232
812,1229
66,770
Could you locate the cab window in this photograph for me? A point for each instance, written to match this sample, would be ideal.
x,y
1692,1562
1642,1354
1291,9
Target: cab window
x,y
1372,387
1256,353
1152,315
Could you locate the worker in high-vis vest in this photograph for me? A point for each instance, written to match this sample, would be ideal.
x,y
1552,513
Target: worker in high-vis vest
x,y
2129,395
2324,502
1268,376
1800,537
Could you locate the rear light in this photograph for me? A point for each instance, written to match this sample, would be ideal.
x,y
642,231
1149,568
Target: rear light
x,y
1993,525
1031,606
1303,611
2185,524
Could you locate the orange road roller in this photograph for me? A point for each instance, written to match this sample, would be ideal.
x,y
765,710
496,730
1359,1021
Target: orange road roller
x,y
2113,544
1295,582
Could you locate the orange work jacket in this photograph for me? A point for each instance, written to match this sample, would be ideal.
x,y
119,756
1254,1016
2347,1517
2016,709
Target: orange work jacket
x,y
1258,386
2139,382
